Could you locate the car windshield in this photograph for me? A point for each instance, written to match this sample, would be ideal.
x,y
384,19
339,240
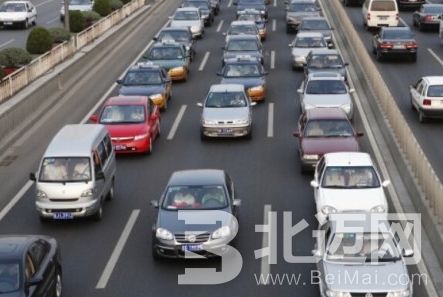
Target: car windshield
x,y
249,2
242,70
186,16
326,87
225,100
80,2
198,4
362,247
165,53
195,197
178,36
329,128
397,34
314,25
137,78
13,7
309,42
325,61
350,177
242,45
122,114
65,169
251,17
9,277
242,29
302,7
433,9
435,91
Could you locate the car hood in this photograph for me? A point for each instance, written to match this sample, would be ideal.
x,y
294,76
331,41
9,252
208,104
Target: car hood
x,y
369,277
168,220
126,130
339,69
247,81
13,15
168,64
352,199
241,7
225,114
146,90
322,145
300,15
184,23
300,51
322,100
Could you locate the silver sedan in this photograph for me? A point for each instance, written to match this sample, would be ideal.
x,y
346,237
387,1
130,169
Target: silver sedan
x,y
302,44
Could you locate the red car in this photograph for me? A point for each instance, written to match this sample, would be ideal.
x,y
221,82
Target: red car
x,y
132,121
321,131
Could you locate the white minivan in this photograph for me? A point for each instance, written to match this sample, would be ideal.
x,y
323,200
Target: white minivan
x,y
76,173
380,13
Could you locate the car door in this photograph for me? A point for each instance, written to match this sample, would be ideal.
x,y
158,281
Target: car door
x,y
318,174
152,119
167,82
42,267
30,12
416,93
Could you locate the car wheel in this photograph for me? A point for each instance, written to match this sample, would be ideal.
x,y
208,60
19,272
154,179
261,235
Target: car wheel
x,y
412,104
26,24
159,131
249,135
379,56
165,106
374,50
346,2
99,214
288,29
155,255
420,26
421,117
413,58
34,22
111,193
150,148
58,284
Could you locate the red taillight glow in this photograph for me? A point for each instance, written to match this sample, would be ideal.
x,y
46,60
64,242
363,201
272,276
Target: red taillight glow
x,y
428,18
368,16
410,45
396,16
386,45
427,102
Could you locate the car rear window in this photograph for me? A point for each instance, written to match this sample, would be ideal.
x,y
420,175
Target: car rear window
x,y
383,6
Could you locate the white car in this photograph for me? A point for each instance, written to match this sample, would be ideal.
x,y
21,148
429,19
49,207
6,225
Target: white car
x,y
348,182
427,97
81,5
18,13
189,17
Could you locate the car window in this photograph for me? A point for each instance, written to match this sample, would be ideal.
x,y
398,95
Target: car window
x,y
314,25
38,251
383,6
435,91
397,34
195,197
350,177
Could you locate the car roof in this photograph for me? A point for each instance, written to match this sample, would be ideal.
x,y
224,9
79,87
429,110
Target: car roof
x,y
187,9
227,88
325,75
145,66
196,177
433,80
404,28
323,51
13,246
127,100
242,60
177,28
309,34
314,18
325,113
167,43
348,159
243,22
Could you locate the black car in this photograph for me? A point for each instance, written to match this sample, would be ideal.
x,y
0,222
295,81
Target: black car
x,y
428,16
395,42
181,35
404,4
243,45
147,79
259,5
206,10
30,265
248,72
196,215
296,10
353,2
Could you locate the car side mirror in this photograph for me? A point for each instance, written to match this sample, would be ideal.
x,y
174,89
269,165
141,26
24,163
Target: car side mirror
x,y
296,134
94,118
99,175
314,184
32,176
317,253
236,202
300,91
351,90
119,81
360,134
408,253
253,103
346,64
155,38
265,72
199,104
386,183
219,73
154,116
154,203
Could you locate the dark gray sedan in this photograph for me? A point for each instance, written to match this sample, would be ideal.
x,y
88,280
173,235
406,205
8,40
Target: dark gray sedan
x,y
428,16
395,42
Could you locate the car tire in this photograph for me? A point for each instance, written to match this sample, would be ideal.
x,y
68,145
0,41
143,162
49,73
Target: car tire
x,y
412,104
374,50
288,30
155,256
111,193
34,22
150,148
99,213
345,2
58,288
413,58
165,106
26,24
159,132
379,56
421,117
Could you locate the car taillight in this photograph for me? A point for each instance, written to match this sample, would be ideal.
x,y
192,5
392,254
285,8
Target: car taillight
x,y
428,18
396,16
368,16
386,45
427,102
410,45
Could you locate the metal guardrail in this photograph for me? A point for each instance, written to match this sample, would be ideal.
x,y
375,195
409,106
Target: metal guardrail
x,y
423,172
23,76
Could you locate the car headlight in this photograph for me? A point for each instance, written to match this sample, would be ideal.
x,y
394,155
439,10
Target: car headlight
x,y
346,107
195,29
309,106
378,208
188,47
331,293
208,122
290,19
88,193
300,59
181,68
241,122
310,157
262,11
141,136
256,88
403,293
161,233
156,96
41,194
326,210
221,232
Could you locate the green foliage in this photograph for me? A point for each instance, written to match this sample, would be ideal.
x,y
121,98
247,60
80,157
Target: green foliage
x,y
102,7
125,1
91,17
14,57
115,4
77,22
59,35
39,41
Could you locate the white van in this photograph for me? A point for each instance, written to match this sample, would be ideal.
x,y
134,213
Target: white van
x,y
76,174
380,13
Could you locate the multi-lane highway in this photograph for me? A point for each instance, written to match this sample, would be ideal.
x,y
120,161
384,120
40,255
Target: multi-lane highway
x,y
113,257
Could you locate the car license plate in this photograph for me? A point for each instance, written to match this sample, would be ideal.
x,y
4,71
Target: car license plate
x,y
7,23
63,216
398,46
382,18
192,247
226,131
120,147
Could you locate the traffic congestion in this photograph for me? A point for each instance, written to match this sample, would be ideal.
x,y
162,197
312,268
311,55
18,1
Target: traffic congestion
x,y
173,89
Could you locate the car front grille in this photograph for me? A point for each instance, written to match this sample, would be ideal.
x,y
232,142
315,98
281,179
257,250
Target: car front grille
x,y
199,238
369,294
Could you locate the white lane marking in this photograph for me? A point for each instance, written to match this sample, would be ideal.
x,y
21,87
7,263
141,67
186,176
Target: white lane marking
x,y
271,120
7,42
52,21
230,3
220,25
203,63
265,267
176,122
42,3
403,22
274,24
435,56
272,59
117,250
14,200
